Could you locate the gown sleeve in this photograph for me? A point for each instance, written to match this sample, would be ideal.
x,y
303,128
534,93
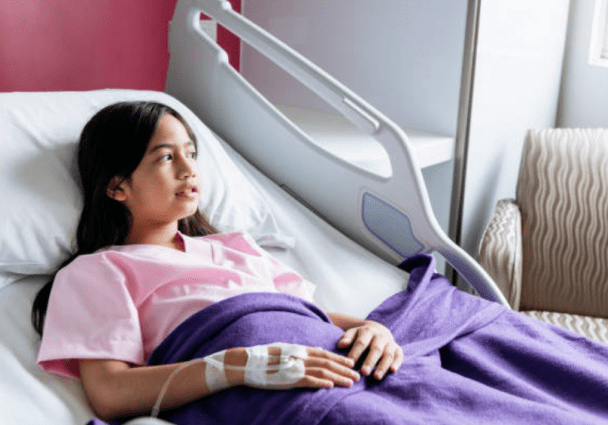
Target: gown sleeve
x,y
91,315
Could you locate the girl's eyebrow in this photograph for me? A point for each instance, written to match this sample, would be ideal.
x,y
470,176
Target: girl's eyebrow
x,y
169,146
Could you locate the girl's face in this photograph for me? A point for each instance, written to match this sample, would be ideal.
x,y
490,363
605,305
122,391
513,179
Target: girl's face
x,y
165,187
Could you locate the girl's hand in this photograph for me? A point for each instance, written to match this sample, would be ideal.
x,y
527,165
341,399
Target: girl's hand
x,y
322,369
384,352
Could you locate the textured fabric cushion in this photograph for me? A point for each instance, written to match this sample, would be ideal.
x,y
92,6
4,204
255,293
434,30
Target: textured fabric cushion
x,y
563,196
500,250
591,327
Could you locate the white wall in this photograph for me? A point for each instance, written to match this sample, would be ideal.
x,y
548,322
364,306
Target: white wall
x,y
584,99
403,56
516,87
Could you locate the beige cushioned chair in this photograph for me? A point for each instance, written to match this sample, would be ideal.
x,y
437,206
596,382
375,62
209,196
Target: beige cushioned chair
x,y
548,249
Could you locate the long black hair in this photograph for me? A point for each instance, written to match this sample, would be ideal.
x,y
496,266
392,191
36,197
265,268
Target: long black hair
x,y
111,145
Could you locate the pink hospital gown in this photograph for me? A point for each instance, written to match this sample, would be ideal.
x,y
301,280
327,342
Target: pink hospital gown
x,y
121,302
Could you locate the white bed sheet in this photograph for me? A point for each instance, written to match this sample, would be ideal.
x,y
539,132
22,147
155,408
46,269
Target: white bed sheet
x,y
349,278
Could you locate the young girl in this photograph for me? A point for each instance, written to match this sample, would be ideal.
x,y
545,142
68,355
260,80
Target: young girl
x,y
147,259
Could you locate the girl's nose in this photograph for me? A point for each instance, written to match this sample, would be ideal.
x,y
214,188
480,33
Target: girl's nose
x,y
187,167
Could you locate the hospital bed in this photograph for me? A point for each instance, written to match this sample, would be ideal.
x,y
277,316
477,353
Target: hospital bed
x,y
341,226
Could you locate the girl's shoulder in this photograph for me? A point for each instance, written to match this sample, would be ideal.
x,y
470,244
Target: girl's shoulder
x,y
94,260
110,257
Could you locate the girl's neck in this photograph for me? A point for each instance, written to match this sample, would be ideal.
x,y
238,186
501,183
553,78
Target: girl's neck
x,y
159,235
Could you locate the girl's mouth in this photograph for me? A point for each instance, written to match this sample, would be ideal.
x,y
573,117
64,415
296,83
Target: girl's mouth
x,y
188,192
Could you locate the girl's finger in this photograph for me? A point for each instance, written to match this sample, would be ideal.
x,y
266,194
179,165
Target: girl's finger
x,y
325,375
398,361
361,344
386,361
314,382
376,352
324,354
335,368
348,338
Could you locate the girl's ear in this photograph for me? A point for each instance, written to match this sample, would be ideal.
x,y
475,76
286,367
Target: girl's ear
x,y
115,190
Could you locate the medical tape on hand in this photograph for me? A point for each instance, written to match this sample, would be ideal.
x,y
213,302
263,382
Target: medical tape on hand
x,y
289,370
215,375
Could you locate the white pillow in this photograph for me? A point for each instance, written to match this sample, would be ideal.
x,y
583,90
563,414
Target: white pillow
x,y
41,200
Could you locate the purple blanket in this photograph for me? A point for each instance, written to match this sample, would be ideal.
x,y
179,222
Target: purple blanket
x,y
467,361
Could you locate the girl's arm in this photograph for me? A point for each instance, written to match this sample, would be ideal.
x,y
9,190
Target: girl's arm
x,y
360,335
115,389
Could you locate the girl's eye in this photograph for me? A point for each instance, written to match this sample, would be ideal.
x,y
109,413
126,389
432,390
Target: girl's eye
x,y
169,157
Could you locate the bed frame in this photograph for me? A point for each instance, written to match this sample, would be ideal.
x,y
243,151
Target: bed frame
x,y
389,215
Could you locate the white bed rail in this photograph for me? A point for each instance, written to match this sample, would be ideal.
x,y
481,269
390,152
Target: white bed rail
x,y
390,216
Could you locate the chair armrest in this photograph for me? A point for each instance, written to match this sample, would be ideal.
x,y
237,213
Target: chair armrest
x,y
500,252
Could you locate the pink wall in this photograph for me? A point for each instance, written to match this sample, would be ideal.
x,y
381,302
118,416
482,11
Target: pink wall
x,y
230,42
87,44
